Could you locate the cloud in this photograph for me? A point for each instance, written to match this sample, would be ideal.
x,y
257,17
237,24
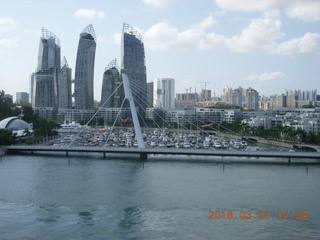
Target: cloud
x,y
245,5
310,42
161,36
158,3
261,34
89,13
9,42
7,24
164,36
265,77
258,35
306,10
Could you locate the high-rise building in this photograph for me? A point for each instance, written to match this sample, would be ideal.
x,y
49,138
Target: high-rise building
x,y
84,72
241,97
150,94
22,97
186,100
32,89
299,97
111,93
236,96
64,86
47,72
163,92
205,95
187,97
252,99
133,65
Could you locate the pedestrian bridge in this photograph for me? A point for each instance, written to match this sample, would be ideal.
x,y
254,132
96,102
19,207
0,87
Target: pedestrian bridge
x,y
216,155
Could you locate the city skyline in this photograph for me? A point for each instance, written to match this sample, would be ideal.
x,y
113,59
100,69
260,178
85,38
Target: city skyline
x,y
225,43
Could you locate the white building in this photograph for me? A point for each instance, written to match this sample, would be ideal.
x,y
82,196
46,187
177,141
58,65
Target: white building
x,y
309,121
163,93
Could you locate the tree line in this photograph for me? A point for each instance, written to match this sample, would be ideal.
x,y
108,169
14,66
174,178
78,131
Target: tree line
x,y
279,132
41,127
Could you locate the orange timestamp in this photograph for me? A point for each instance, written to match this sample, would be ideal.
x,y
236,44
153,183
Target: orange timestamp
x,y
255,214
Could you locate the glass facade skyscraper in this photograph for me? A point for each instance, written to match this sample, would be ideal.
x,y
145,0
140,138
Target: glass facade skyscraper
x,y
47,72
133,65
64,86
84,72
110,83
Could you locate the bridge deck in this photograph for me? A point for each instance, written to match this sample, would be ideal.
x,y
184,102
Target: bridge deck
x,y
144,152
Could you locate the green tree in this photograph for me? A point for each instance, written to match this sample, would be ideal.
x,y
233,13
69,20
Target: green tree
x,y
6,106
6,137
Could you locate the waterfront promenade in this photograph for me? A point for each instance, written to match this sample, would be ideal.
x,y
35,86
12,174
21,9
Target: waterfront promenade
x,y
218,155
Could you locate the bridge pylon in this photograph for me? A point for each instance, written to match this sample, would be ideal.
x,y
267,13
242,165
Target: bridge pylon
x,y
137,128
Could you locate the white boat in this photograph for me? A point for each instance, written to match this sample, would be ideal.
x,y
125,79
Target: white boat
x,y
244,144
153,143
156,132
129,144
206,144
217,144
225,144
70,128
236,145
186,145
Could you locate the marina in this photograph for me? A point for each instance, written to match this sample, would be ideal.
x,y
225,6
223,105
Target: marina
x,y
108,141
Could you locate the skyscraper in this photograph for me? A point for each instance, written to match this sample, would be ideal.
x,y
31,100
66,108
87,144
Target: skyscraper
x,y
150,94
22,97
32,89
47,72
64,86
163,93
252,99
133,65
110,83
84,72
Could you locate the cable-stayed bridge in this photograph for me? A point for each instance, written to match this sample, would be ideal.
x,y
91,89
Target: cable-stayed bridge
x,y
143,151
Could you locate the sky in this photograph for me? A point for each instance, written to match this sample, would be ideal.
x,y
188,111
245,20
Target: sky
x,y
269,45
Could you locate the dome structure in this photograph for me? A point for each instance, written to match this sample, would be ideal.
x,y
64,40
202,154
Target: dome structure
x,y
16,125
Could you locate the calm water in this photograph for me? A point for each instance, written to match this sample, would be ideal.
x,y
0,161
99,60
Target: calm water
x,y
45,197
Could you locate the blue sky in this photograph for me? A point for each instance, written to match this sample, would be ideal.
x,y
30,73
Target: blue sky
x,y
269,45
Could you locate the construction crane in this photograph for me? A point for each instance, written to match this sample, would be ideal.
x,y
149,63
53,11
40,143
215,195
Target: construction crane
x,y
205,84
